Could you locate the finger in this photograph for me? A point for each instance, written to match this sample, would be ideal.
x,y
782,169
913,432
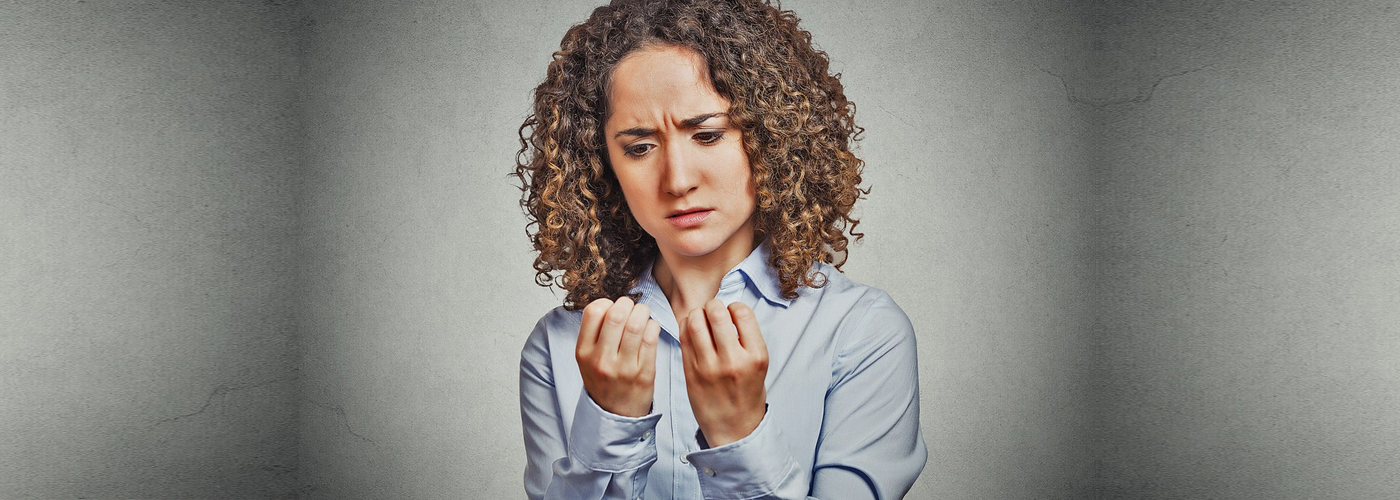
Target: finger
x,y
687,352
588,327
632,332
749,334
726,336
702,347
610,334
646,355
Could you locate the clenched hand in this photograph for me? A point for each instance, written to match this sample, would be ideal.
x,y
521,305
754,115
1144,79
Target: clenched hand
x,y
725,365
616,355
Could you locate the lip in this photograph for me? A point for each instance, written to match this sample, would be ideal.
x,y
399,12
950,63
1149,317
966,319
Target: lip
x,y
688,217
684,211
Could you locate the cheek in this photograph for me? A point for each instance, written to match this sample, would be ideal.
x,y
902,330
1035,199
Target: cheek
x,y
635,191
742,174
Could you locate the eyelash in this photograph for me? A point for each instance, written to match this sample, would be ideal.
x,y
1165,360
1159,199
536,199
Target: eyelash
x,y
706,138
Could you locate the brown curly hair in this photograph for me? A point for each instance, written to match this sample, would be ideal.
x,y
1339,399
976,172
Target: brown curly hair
x,y
797,125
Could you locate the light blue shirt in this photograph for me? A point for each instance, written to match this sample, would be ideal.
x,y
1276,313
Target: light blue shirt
x,y
843,404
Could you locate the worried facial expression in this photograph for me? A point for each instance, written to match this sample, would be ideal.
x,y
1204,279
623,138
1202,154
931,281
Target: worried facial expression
x,y
679,160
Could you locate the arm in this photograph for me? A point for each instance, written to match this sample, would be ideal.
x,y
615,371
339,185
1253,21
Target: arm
x,y
870,445
604,456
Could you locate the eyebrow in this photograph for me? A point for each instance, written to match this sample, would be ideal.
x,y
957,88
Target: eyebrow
x,y
687,123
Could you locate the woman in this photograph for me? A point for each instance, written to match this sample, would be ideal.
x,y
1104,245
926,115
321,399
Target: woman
x,y
688,176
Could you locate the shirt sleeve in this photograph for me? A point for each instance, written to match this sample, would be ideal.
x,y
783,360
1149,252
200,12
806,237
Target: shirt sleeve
x,y
604,456
760,465
870,445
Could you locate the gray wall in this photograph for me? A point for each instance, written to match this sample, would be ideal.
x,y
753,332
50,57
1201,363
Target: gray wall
x,y
1250,242
418,285
977,224
147,157
419,288
1149,250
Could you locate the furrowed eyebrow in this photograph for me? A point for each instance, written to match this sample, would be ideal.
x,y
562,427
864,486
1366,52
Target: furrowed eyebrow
x,y
691,122
635,131
687,123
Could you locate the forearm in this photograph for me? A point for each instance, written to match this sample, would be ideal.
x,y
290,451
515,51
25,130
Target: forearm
x,y
606,457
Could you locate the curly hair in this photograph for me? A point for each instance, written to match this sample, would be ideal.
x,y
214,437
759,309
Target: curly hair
x,y
797,129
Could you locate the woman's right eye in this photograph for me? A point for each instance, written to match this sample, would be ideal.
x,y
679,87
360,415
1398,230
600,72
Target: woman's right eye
x,y
637,150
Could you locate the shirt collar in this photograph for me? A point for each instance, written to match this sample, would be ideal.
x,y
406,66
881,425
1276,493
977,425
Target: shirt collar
x,y
763,277
754,269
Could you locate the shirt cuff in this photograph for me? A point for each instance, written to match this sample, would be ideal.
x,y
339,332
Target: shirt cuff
x,y
606,442
755,466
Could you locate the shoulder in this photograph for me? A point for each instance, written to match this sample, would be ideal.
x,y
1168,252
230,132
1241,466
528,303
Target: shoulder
x,y
556,322
557,318
871,315
861,299
550,329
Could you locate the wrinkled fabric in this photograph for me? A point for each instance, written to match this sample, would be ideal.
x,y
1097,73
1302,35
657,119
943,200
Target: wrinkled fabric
x,y
843,404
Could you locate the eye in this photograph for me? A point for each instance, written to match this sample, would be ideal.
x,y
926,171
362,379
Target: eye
x,y
637,150
709,137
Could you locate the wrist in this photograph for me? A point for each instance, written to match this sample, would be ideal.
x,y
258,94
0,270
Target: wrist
x,y
734,430
623,408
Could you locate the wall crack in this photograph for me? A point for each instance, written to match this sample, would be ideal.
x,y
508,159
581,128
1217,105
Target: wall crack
x,y
1122,101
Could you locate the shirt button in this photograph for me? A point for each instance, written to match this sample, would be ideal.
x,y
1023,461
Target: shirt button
x,y
646,435
683,454
709,471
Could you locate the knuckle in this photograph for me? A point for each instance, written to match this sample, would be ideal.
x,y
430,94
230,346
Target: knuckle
x,y
615,316
740,311
637,324
606,372
597,308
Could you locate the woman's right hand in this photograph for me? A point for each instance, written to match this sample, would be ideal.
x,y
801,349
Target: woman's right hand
x,y
616,355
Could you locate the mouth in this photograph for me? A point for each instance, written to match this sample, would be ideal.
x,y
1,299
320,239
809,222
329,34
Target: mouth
x,y
686,211
688,218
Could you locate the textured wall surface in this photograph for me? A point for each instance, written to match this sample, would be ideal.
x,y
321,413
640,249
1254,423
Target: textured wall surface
x,y
266,249
146,233
1251,232
419,290
977,224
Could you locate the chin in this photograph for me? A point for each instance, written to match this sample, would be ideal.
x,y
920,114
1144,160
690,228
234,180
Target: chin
x,y
692,250
691,245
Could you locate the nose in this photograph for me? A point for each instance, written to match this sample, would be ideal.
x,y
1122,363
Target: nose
x,y
680,177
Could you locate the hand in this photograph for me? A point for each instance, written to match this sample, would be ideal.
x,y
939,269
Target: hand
x,y
616,355
725,364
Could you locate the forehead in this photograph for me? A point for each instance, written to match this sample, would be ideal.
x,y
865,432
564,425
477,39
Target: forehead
x,y
661,83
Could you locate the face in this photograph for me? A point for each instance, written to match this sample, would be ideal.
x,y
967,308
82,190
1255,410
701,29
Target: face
x,y
680,162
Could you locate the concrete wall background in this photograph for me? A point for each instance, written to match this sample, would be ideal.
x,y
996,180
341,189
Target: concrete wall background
x,y
1251,341
977,225
419,287
1149,249
418,291
147,158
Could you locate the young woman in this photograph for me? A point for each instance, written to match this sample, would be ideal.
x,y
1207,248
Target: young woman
x,y
688,176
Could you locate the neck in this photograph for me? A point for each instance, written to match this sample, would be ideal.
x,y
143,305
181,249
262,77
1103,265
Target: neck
x,y
690,282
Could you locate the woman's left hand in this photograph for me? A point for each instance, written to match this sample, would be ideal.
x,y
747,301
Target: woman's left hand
x,y
725,363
